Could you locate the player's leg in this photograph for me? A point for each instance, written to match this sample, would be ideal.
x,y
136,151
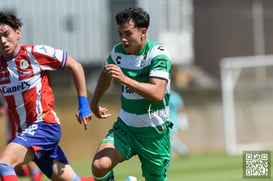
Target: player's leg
x,y
22,170
113,149
62,171
105,159
29,169
34,171
13,155
56,167
57,170
155,158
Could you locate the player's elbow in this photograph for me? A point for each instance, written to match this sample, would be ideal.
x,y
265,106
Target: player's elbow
x,y
158,101
158,98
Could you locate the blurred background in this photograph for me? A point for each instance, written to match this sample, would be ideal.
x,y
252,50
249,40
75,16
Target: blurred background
x,y
220,51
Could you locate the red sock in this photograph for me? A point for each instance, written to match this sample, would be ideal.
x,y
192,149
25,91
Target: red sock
x,y
87,178
9,178
22,171
37,176
25,170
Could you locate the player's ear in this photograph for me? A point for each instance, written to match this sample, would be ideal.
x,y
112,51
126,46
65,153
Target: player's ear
x,y
143,31
18,33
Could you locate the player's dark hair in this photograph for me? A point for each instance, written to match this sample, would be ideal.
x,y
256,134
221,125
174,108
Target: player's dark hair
x,y
10,20
140,17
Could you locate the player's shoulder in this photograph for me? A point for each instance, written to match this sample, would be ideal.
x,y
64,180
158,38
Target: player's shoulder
x,y
43,49
154,48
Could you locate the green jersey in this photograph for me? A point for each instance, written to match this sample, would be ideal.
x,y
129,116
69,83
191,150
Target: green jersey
x,y
152,61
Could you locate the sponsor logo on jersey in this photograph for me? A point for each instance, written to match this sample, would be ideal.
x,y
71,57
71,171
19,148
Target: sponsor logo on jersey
x,y
125,89
17,88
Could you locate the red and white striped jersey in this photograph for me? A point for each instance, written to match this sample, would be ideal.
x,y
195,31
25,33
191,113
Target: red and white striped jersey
x,y
25,84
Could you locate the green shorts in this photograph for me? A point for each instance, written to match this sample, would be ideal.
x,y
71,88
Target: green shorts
x,y
152,145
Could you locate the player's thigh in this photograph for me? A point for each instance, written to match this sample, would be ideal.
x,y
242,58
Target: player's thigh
x,y
15,154
62,171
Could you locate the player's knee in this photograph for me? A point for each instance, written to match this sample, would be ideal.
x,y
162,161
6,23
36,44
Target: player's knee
x,y
6,160
101,166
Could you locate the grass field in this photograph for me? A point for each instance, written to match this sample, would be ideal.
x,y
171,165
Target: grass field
x,y
197,167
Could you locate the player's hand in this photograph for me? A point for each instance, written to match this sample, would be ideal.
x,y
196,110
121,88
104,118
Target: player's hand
x,y
115,72
84,113
84,120
101,112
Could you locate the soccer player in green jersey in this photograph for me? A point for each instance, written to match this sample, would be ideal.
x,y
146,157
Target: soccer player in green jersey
x,y
142,67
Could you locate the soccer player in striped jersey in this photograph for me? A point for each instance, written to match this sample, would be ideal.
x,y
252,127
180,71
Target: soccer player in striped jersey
x,y
142,67
25,85
30,169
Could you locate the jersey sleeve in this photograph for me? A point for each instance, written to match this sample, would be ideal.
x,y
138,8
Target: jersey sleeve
x,y
50,58
160,64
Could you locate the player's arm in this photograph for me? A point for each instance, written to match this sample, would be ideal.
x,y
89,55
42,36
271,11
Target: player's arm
x,y
84,114
153,91
78,75
103,84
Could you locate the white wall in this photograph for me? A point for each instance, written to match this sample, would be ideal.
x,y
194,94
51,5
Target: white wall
x,y
77,26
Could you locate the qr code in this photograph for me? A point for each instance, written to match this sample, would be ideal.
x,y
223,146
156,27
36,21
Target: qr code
x,y
257,164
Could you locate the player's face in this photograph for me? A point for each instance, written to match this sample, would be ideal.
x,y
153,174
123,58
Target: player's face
x,y
9,40
132,39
